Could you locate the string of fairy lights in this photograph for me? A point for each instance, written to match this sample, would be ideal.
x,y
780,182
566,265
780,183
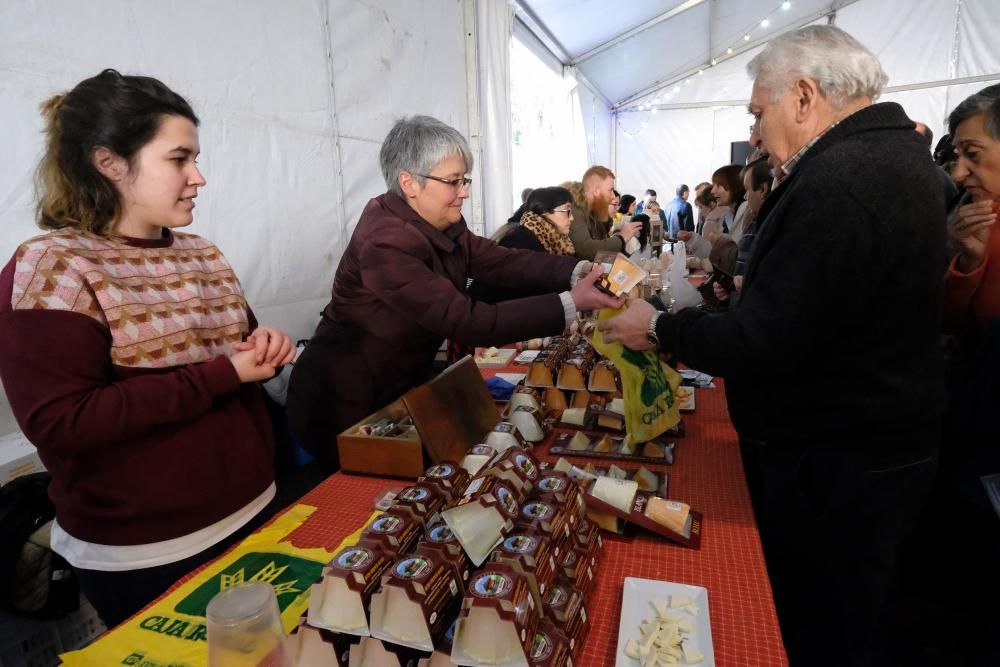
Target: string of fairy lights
x,y
669,91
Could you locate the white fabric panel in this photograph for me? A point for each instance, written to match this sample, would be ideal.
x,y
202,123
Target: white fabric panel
x,y
677,149
394,59
582,25
596,123
650,56
912,43
493,34
954,95
927,106
978,28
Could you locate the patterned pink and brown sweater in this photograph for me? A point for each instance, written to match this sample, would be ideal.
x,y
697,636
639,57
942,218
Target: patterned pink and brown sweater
x,y
113,354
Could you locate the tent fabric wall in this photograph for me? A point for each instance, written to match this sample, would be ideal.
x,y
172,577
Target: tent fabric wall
x,y
495,25
917,48
294,99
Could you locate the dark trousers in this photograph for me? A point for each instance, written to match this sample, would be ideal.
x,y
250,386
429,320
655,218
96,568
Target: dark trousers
x,y
116,596
833,515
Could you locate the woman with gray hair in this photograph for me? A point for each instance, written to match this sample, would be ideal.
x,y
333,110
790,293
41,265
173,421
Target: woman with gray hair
x,y
400,289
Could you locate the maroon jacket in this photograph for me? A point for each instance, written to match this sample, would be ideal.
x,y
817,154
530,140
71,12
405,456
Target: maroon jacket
x,y
399,291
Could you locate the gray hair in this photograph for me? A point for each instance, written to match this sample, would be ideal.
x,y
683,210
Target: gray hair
x,y
841,66
986,101
418,144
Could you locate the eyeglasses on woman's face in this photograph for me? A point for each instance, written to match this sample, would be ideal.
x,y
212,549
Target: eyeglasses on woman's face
x,y
457,183
568,210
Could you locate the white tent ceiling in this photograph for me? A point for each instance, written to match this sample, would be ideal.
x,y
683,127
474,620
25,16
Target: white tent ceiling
x,y
627,49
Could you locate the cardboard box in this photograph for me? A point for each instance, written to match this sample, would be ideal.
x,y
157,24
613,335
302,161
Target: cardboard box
x,y
451,413
17,457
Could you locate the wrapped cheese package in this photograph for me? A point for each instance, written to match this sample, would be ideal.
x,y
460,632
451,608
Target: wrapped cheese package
x,y
498,620
504,436
532,555
339,601
396,530
421,501
551,647
518,467
483,516
477,458
308,646
419,598
528,422
371,652
447,476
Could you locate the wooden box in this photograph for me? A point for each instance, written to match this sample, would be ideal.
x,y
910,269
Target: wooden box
x,y
451,413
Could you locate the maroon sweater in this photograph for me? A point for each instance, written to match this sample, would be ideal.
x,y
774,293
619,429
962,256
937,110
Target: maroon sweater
x,y
399,291
113,355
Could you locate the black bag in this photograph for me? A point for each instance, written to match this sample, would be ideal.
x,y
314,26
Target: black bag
x,y
33,579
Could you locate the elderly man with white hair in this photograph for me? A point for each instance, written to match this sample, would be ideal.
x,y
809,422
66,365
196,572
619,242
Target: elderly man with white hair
x,y
831,358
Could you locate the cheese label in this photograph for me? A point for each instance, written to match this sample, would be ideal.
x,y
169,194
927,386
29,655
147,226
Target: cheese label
x,y
386,525
353,558
412,568
536,510
414,493
491,585
519,544
441,470
541,648
507,501
526,465
551,484
441,534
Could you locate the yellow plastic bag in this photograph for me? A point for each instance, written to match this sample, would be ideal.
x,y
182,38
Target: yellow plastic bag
x,y
172,632
648,385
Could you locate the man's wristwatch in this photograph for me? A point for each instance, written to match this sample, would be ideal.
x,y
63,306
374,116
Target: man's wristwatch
x,y
651,330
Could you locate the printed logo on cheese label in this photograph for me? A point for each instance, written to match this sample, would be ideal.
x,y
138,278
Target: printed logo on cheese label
x,y
414,493
353,558
526,465
387,524
556,597
551,484
518,544
441,533
491,585
441,470
412,568
507,501
537,510
541,648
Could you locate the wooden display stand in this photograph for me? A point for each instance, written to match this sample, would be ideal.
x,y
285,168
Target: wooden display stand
x,y
451,413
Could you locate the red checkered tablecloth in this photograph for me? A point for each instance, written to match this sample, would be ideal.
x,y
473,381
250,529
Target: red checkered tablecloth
x,y
708,475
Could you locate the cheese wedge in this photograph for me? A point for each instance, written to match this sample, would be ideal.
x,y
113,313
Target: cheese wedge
x,y
579,442
619,493
575,416
668,513
603,445
646,480
617,473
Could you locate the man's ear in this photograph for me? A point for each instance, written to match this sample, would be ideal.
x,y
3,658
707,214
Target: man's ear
x,y
408,184
111,165
807,95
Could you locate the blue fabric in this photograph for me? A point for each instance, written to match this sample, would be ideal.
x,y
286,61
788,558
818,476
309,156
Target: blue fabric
x,y
500,389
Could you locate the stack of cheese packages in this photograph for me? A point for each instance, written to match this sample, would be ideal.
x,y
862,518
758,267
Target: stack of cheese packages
x,y
489,570
526,605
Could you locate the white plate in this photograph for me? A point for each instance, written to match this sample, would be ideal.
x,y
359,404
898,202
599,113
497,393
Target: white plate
x,y
499,361
636,606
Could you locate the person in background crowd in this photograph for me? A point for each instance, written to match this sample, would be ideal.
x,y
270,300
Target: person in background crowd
x,y
728,191
756,178
613,207
626,208
647,199
129,354
832,373
591,228
705,202
947,184
643,236
400,289
679,216
544,227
